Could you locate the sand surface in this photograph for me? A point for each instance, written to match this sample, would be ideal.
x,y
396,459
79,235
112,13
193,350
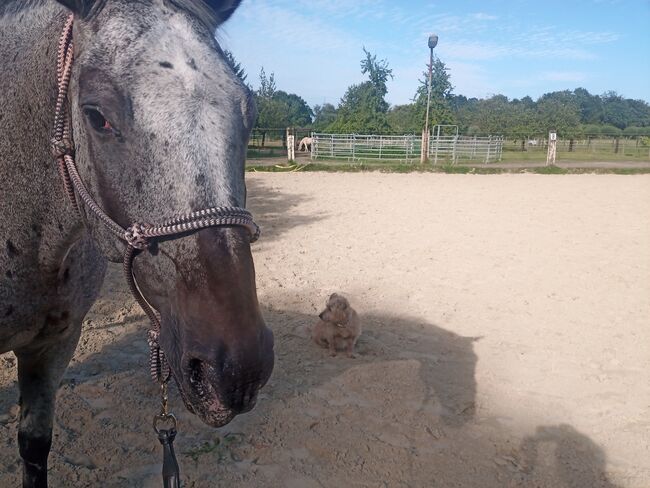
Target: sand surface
x,y
506,343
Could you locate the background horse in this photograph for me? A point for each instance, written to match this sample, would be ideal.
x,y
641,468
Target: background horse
x,y
160,125
305,144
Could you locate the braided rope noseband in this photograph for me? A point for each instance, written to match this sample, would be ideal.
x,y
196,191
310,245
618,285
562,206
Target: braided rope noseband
x,y
138,236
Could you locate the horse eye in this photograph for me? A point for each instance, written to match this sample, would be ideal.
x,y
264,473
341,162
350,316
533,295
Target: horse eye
x,y
97,120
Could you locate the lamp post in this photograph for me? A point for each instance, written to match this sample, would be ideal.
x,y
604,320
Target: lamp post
x,y
433,41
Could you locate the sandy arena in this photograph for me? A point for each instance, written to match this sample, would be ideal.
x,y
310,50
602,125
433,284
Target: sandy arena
x,y
506,344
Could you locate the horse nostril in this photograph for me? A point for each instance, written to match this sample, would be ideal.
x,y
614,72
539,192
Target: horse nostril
x,y
195,369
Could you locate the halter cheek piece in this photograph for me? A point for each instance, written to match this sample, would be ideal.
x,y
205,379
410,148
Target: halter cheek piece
x,y
139,236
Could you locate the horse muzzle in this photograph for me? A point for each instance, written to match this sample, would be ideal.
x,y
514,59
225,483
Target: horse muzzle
x,y
218,381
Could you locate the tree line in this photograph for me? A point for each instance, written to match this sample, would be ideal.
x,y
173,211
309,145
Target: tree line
x,y
364,109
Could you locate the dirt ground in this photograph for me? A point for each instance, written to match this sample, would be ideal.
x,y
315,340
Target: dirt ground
x,y
506,344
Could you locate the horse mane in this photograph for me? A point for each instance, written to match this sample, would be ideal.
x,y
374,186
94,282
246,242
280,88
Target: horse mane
x,y
199,10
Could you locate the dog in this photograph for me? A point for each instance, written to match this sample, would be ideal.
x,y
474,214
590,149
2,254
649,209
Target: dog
x,y
338,327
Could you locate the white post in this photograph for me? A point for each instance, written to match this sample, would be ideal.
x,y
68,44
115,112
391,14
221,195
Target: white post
x,y
435,158
552,148
424,148
291,147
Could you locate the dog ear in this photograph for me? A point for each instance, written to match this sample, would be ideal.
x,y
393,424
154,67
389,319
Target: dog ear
x,y
223,9
78,7
333,296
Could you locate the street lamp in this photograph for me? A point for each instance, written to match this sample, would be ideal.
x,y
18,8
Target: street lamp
x,y
433,42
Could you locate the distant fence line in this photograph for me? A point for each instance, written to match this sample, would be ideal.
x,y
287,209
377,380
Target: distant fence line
x,y
631,146
355,147
271,143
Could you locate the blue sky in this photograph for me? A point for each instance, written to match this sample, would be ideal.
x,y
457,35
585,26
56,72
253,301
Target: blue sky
x,y
513,47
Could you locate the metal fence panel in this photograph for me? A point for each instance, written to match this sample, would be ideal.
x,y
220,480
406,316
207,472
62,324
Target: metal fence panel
x,y
353,147
360,147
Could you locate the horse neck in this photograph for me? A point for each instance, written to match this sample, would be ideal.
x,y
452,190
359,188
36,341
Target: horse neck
x,y
31,193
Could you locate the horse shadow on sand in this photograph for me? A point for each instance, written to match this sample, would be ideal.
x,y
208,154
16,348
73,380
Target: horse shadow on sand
x,y
446,376
276,211
440,368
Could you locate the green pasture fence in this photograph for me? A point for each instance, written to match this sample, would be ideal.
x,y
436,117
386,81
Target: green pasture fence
x,y
588,147
267,143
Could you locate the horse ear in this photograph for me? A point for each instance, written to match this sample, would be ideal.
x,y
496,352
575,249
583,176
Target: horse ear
x,y
223,9
78,7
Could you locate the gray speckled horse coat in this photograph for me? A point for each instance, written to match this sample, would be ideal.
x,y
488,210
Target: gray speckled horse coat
x,y
160,127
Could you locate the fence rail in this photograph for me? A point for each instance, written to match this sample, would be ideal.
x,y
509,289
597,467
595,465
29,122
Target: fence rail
x,y
359,147
450,149
637,147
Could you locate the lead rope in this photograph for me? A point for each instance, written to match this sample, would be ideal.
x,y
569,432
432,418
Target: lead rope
x,y
138,237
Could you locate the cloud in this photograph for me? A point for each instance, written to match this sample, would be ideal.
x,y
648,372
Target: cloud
x,y
563,76
485,51
483,16
314,46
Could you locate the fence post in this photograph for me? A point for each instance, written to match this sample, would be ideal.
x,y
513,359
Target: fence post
x,y
437,136
291,147
552,148
453,150
424,147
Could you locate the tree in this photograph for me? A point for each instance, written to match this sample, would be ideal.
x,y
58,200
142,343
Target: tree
x,y
378,72
590,106
296,111
522,122
267,85
279,109
440,111
560,113
404,119
324,115
364,107
492,115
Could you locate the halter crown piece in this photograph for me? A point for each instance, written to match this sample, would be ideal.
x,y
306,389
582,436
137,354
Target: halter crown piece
x,y
139,236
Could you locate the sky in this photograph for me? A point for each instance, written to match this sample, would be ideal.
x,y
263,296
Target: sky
x,y
510,47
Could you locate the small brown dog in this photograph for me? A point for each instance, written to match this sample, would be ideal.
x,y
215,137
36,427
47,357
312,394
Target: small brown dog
x,y
338,327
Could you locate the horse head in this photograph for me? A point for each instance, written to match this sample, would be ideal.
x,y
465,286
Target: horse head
x,y
161,124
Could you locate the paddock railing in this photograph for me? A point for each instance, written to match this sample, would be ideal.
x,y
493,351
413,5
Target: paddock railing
x,y
442,149
465,148
355,147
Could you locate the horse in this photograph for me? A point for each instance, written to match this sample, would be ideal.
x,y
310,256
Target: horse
x,y
305,144
154,123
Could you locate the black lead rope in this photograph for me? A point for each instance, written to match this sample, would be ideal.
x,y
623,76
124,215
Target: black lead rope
x,y
170,471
